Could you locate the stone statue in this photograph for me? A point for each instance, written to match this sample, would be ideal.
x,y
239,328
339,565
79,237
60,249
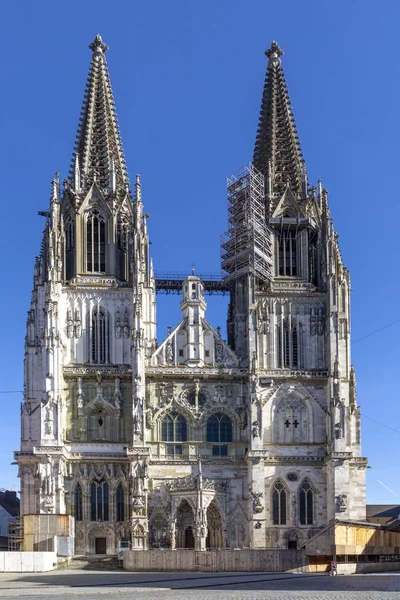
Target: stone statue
x,y
255,429
169,354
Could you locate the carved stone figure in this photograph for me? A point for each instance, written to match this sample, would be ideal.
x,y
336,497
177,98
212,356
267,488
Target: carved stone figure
x,y
49,420
70,325
257,505
117,394
118,329
169,353
341,502
255,429
79,399
78,324
219,352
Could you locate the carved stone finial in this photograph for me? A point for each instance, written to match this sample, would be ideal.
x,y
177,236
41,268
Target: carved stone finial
x,y
98,46
274,53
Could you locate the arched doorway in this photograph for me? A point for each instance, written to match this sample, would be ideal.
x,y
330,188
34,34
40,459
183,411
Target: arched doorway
x,y
292,539
214,532
159,533
185,526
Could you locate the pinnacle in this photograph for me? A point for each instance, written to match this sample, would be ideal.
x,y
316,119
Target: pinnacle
x,y
274,52
98,46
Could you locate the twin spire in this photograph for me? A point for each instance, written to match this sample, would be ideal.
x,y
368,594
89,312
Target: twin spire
x,y
98,153
277,152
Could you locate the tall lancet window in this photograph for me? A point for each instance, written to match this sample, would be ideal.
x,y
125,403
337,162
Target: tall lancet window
x,y
100,337
99,501
120,501
122,246
78,512
287,254
279,504
288,345
95,242
69,228
306,498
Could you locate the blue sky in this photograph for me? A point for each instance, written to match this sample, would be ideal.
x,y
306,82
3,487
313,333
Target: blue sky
x,y
187,78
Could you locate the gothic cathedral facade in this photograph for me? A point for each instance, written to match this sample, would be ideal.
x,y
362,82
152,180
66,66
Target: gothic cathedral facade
x,y
196,442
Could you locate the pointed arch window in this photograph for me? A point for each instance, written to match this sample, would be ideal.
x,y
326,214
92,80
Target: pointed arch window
x,y
287,253
174,429
78,512
100,333
279,501
122,246
219,431
306,502
99,501
288,344
120,499
69,229
95,242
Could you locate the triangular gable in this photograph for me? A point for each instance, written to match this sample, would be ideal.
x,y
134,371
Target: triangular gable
x,y
288,203
94,199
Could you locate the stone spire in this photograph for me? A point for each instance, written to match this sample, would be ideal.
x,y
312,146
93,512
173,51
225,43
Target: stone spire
x,y
98,154
277,152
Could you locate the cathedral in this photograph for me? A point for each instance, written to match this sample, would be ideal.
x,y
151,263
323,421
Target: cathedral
x,y
194,442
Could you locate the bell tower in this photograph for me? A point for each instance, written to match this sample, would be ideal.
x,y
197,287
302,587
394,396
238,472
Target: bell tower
x,y
90,332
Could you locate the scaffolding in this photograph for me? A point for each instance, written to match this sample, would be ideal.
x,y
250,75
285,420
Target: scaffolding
x,y
246,247
15,534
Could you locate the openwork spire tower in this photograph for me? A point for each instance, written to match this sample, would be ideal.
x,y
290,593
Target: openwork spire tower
x,y
98,150
277,152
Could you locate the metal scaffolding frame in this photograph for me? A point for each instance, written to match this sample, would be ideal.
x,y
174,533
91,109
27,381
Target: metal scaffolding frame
x,y
247,246
15,534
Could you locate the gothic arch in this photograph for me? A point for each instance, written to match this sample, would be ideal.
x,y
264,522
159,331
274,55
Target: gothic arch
x,y
173,406
306,496
101,531
292,416
238,529
215,537
159,530
293,538
220,408
185,525
279,502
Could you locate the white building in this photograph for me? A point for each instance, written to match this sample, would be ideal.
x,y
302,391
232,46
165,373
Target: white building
x,y
194,442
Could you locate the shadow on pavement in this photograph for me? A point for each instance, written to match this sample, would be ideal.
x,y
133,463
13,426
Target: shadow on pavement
x,y
206,581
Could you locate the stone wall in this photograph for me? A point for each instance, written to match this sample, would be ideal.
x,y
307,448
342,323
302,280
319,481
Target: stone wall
x,y
220,560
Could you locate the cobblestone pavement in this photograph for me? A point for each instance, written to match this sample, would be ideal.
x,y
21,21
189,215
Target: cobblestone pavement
x,y
199,586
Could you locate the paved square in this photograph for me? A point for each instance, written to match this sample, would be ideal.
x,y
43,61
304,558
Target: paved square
x,y
199,586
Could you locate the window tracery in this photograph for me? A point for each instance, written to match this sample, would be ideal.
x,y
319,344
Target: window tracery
x,y
78,512
120,500
100,337
306,502
95,242
288,344
174,429
99,501
287,253
279,502
291,421
219,431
